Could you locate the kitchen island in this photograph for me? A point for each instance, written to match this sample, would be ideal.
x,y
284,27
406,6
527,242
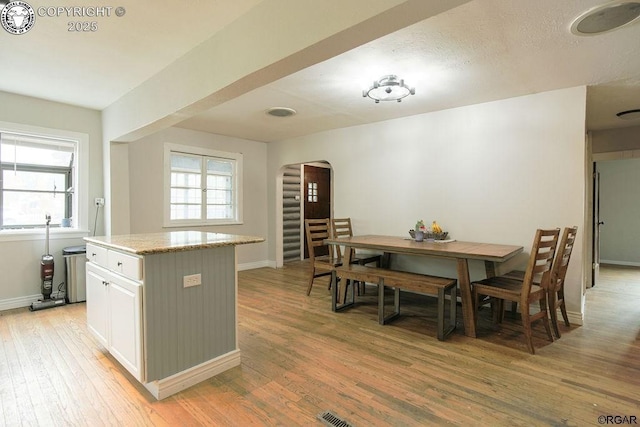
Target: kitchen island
x,y
165,304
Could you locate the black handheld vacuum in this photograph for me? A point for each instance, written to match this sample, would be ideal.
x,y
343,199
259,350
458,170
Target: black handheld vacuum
x,y
46,276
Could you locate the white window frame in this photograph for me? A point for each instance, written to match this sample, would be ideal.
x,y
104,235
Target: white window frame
x,y
80,222
237,158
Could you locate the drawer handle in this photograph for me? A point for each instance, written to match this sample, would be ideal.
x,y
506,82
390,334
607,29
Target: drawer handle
x,y
119,263
104,282
93,254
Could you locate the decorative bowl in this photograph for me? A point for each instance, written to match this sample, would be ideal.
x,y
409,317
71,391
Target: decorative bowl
x,y
428,235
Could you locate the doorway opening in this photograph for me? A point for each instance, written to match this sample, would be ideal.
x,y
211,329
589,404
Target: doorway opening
x,y
616,226
303,190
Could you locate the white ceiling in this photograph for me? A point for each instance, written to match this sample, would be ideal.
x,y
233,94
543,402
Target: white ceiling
x,y
481,51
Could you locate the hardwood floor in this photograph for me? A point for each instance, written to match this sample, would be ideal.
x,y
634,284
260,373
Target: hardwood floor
x,y
300,359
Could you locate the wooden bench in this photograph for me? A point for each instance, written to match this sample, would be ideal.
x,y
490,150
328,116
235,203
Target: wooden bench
x,y
399,280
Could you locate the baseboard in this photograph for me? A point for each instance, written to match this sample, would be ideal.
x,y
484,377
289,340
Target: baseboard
x,y
626,263
183,380
574,318
11,303
257,264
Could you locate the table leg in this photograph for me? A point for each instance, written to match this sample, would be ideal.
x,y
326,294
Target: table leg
x,y
490,269
334,291
386,260
346,260
468,311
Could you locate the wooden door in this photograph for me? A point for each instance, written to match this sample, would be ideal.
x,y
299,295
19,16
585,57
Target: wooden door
x,y
317,197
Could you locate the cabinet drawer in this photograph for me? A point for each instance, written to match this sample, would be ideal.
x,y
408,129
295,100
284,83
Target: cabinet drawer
x,y
127,265
97,254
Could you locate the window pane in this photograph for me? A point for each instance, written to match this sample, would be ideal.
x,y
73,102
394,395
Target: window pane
x,y
190,180
23,208
185,211
185,163
218,182
185,196
220,166
219,212
28,180
34,155
219,197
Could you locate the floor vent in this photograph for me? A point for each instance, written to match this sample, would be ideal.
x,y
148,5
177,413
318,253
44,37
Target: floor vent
x,y
328,418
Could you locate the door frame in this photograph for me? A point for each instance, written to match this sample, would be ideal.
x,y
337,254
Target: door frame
x,y
595,225
279,210
593,158
325,207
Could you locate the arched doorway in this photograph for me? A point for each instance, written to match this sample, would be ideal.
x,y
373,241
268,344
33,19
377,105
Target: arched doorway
x,y
304,190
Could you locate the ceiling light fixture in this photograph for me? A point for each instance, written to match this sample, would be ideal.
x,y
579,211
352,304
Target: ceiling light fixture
x,y
388,88
607,17
281,112
629,114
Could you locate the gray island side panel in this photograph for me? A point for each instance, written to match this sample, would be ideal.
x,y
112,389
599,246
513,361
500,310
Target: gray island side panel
x,y
185,327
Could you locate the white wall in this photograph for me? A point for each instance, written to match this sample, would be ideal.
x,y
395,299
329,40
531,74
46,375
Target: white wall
x,y
117,189
492,172
20,259
621,139
147,194
620,211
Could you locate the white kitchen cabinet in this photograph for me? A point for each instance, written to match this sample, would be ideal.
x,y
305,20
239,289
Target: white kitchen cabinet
x,y
125,311
114,314
97,319
164,304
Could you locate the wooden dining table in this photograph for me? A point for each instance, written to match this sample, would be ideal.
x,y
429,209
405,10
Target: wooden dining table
x,y
462,252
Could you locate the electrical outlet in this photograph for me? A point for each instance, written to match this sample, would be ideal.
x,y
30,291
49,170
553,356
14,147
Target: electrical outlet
x,y
99,201
192,280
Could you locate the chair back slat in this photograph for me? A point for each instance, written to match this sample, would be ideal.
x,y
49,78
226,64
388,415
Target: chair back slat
x,y
317,230
540,261
341,227
561,261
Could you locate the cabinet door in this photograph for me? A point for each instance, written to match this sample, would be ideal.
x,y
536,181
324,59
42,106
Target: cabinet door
x,y
97,315
125,332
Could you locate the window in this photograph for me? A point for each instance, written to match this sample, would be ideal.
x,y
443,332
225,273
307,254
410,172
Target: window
x,y
37,179
312,192
203,186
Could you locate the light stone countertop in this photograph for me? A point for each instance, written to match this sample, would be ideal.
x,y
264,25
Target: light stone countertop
x,y
171,241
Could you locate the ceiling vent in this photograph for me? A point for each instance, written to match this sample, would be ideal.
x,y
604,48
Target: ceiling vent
x,y
281,112
605,18
629,114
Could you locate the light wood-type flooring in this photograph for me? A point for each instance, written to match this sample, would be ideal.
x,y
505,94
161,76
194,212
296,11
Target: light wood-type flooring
x,y
300,359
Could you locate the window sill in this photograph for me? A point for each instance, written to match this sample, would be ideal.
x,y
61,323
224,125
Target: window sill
x,y
39,234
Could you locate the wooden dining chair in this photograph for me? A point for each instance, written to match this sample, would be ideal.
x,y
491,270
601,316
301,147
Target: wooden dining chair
x,y
341,227
555,292
317,230
532,288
